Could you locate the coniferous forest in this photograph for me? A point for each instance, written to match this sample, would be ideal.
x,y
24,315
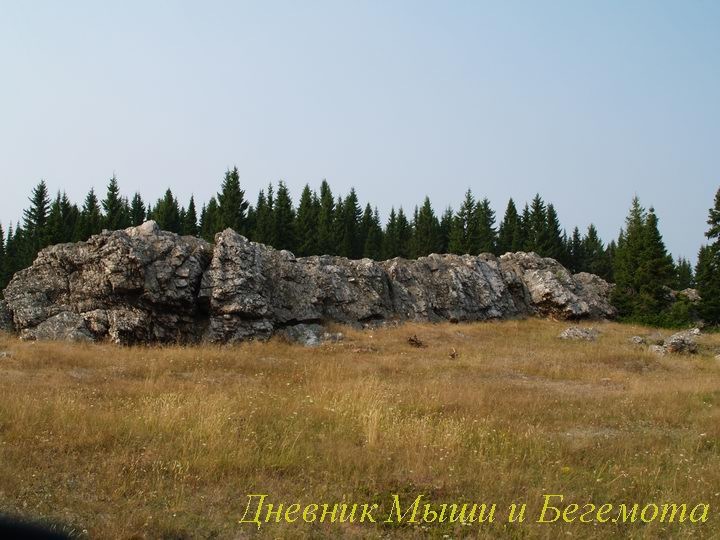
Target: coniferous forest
x,y
637,261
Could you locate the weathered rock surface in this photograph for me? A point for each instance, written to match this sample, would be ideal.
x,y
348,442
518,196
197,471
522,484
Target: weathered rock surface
x,y
578,333
682,342
136,285
146,285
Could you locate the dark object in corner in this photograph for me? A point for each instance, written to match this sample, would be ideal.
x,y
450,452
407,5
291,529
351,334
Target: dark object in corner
x,y
13,529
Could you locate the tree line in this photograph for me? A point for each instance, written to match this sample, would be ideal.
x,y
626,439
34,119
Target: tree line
x,y
325,223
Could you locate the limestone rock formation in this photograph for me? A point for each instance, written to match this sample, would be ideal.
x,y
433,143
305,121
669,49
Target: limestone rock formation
x,y
136,285
577,333
146,285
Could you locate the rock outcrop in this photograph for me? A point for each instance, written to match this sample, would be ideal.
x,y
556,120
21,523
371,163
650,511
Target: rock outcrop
x,y
144,285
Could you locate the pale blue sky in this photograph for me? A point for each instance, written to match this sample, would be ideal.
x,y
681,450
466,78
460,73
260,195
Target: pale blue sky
x,y
585,102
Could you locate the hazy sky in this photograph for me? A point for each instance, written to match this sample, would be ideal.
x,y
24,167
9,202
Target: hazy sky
x,y
586,102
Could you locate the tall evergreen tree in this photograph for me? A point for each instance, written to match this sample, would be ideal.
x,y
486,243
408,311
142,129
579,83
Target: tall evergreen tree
x,y
683,274
464,234
90,220
349,223
628,257
115,216
374,238
595,257
656,273
306,223
190,221
210,220
167,213
137,210
284,219
264,222
554,246
509,233
3,283
576,252
707,272
35,221
537,227
487,236
326,221
391,241
232,206
426,226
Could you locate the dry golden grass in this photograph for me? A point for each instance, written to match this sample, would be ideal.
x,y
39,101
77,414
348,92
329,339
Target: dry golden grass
x,y
167,442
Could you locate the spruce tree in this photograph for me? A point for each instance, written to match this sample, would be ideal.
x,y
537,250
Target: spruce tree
x,y
595,257
445,230
210,220
509,232
464,234
3,283
36,231
537,227
683,274
374,240
167,213
55,221
707,272
137,210
306,223
425,234
90,220
115,216
326,221
232,206
390,246
576,252
404,235
284,219
364,226
554,245
264,218
627,260
190,221
656,273
487,236
349,216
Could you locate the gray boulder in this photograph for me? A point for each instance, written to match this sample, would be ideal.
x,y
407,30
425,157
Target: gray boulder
x,y
578,333
682,342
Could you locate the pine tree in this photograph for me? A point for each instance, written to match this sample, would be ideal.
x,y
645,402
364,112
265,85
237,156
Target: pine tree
x,y
425,237
232,206
114,217
404,235
90,220
137,210
190,222
55,221
445,230
510,232
306,223
284,219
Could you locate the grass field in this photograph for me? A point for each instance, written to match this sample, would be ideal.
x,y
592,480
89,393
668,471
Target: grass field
x,y
167,442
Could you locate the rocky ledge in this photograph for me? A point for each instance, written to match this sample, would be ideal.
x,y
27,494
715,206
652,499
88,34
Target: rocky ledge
x,y
144,285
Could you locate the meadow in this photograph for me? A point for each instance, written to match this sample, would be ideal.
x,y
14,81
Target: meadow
x,y
103,441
